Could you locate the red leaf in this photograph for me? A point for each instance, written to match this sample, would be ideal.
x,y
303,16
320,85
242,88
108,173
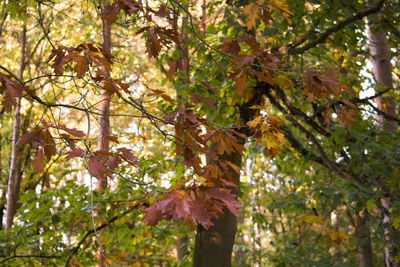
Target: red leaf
x,y
73,132
153,215
230,46
96,168
202,215
127,154
14,88
33,137
226,197
183,206
75,153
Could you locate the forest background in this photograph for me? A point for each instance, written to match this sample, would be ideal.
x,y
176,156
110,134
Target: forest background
x,y
199,133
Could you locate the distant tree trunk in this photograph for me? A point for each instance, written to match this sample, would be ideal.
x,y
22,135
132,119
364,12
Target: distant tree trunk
x,y
14,179
364,247
104,123
213,247
382,72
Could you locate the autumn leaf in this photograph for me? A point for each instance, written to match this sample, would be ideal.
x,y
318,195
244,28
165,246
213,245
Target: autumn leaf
x,y
127,154
252,13
49,144
38,163
74,132
282,7
110,13
74,153
240,84
81,66
96,168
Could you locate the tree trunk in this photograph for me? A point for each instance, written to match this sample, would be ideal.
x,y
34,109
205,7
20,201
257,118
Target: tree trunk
x,y
14,179
104,125
214,247
382,72
364,246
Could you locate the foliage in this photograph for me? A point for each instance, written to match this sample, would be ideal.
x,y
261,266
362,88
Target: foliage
x,y
281,83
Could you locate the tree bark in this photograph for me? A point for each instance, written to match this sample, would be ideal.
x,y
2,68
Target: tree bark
x,y
104,125
213,248
382,72
14,179
364,246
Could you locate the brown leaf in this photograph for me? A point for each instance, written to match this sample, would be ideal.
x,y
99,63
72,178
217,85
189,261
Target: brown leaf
x,y
73,132
163,11
37,162
113,162
8,102
240,84
113,138
154,47
82,66
230,46
110,13
49,144
96,168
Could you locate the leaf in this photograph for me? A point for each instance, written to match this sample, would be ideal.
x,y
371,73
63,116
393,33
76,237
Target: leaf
x,y
240,84
252,13
235,167
81,66
154,47
110,13
113,162
38,163
153,215
283,82
76,152
49,144
96,168
113,138
202,215
201,99
127,154
230,46
163,11
227,197
281,7
74,132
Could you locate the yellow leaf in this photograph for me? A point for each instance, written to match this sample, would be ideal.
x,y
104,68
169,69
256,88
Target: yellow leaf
x,y
281,7
283,81
255,122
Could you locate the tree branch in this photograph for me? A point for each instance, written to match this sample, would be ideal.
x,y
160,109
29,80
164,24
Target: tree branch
x,y
292,50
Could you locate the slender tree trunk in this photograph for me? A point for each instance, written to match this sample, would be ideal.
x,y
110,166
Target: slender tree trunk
x,y
14,179
104,125
382,72
213,247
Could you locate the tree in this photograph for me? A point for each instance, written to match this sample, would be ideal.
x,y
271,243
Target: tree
x,y
288,79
